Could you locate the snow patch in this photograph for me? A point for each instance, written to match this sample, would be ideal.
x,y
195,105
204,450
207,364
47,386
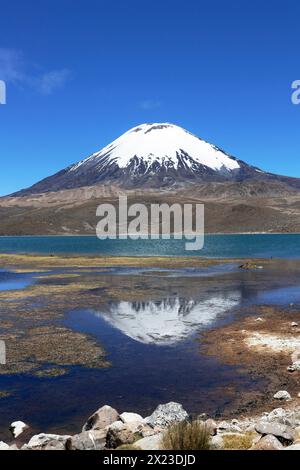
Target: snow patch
x,y
273,342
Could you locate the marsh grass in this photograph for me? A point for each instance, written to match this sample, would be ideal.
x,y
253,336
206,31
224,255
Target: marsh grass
x,y
186,435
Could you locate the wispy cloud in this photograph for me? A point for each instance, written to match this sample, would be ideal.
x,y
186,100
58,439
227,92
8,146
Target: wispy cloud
x,y
11,65
149,104
51,81
15,69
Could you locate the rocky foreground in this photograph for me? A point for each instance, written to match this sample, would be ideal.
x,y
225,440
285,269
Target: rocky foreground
x,y
106,429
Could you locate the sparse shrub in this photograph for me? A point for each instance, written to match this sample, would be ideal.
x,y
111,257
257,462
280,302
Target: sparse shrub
x,y
238,441
186,436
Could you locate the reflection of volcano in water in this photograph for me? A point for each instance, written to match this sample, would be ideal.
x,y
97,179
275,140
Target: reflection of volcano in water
x,y
167,321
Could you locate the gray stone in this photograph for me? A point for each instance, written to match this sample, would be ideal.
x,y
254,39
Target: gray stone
x,y
87,440
224,426
120,433
278,430
276,414
131,418
55,445
164,415
268,442
282,395
293,447
40,441
150,443
105,416
216,443
211,427
4,446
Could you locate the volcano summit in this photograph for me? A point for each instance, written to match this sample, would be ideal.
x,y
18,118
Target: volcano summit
x,y
156,163
155,155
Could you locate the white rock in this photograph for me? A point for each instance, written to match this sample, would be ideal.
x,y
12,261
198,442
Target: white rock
x,y
216,443
4,446
87,440
131,418
282,395
294,324
276,414
293,447
17,428
41,440
150,443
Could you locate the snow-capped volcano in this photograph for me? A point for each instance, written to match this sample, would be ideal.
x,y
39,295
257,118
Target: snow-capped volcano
x,y
149,155
167,145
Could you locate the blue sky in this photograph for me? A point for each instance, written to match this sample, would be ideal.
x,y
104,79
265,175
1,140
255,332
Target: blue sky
x,y
80,73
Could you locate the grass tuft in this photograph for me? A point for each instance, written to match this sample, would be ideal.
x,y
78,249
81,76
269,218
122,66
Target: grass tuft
x,y
186,436
238,441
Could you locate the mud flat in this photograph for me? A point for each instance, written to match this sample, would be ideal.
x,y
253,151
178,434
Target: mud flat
x,y
264,346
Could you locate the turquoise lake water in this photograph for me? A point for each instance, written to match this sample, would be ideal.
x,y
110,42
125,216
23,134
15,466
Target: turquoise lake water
x,y
261,246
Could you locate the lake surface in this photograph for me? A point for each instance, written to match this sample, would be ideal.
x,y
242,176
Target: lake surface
x,y
229,246
149,322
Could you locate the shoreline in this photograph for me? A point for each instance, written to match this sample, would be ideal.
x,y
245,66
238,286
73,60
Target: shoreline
x,y
66,235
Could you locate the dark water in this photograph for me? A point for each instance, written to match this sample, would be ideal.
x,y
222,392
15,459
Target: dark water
x,y
282,246
155,351
11,281
154,346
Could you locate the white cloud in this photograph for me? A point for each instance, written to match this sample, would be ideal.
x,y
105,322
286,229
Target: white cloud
x,y
53,80
14,69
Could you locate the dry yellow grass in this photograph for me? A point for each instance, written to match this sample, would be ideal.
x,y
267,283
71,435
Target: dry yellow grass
x,y
186,436
238,441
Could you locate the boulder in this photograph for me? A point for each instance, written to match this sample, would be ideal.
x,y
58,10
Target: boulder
x,y
55,445
164,415
120,433
268,442
276,414
294,324
224,426
282,395
131,418
216,442
4,446
293,447
41,441
105,416
87,440
150,443
282,431
211,427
